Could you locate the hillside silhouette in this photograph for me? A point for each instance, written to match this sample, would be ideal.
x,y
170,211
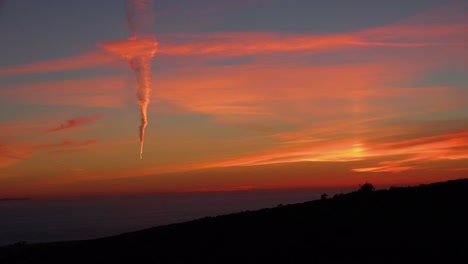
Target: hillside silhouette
x,y
423,224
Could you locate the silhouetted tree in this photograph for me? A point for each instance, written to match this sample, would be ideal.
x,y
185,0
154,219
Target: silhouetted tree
x,y
367,187
324,196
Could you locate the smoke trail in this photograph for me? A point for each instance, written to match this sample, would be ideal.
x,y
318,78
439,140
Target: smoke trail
x,y
139,54
141,67
138,50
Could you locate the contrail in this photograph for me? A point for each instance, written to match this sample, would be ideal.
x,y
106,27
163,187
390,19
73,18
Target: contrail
x,y
141,67
139,17
138,50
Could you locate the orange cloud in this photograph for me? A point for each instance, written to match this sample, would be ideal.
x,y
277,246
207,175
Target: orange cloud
x,y
287,91
332,158
75,122
422,151
383,169
87,60
417,153
241,43
13,153
141,47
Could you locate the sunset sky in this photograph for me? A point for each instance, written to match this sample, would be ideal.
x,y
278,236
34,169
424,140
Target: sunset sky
x,y
246,94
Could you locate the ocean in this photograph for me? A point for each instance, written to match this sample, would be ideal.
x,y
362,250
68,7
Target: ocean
x,y
58,219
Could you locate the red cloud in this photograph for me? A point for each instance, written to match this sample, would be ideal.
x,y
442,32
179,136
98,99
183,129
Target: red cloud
x,y
74,122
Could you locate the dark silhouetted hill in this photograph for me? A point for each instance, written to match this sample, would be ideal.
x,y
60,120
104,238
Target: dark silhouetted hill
x,y
424,224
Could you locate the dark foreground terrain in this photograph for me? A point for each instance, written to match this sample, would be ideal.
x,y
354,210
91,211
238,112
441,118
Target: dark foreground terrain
x,y
424,224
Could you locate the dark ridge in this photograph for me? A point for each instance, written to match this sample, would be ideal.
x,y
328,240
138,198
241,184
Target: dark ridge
x,y
423,224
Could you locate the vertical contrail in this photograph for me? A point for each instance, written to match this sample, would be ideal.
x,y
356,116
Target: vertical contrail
x,y
141,66
138,50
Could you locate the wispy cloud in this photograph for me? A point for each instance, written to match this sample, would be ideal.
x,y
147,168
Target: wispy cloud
x,y
75,122
397,156
12,153
107,91
64,143
445,28
83,61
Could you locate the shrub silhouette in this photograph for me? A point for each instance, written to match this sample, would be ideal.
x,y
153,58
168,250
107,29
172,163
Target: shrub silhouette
x,y
367,187
338,195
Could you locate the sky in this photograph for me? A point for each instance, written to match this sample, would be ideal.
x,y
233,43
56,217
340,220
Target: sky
x,y
245,95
